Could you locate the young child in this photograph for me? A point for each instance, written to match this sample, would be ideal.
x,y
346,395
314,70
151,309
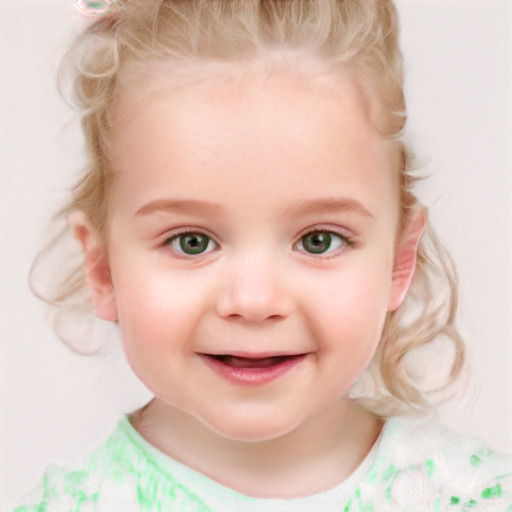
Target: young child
x,y
247,219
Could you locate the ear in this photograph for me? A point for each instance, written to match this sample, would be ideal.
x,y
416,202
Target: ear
x,y
97,266
405,256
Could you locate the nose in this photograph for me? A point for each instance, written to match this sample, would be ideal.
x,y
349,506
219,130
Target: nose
x,y
254,291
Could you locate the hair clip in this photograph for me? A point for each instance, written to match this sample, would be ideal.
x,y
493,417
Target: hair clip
x,y
96,7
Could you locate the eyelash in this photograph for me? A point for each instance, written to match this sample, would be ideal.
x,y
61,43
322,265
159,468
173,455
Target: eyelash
x,y
175,237
344,243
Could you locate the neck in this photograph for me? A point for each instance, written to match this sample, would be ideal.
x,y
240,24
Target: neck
x,y
315,457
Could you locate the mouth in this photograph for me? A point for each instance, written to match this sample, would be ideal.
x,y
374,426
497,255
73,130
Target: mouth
x,y
252,369
254,362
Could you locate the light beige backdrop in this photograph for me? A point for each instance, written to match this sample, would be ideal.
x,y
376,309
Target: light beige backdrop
x,y
56,406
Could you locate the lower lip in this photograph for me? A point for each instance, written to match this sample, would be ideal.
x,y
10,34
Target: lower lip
x,y
252,376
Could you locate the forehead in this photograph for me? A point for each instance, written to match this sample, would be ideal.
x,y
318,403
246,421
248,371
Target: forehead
x,y
140,82
257,122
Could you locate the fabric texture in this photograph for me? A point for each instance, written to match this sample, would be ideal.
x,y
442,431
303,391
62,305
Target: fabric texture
x,y
414,467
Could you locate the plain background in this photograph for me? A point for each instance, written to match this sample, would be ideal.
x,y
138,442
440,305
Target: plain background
x,y
56,406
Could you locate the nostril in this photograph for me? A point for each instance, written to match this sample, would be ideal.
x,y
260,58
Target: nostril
x,y
236,317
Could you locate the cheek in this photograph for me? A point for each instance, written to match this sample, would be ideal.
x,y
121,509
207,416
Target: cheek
x,y
158,311
351,314
158,317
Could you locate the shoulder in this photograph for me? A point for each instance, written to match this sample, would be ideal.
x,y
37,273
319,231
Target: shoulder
x,y
121,474
450,469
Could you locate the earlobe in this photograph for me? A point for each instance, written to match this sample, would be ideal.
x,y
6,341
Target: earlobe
x,y
406,255
97,266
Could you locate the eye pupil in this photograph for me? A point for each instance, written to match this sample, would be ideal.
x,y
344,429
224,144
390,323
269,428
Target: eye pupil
x,y
193,243
317,242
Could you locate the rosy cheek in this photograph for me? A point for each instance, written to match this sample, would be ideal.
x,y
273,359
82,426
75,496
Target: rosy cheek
x,y
156,311
353,299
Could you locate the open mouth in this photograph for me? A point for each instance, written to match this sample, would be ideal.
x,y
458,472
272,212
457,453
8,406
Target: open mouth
x,y
254,362
252,369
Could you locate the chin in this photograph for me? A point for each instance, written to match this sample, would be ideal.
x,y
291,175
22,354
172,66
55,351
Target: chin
x,y
252,428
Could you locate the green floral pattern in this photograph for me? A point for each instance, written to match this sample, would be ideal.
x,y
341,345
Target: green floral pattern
x,y
415,467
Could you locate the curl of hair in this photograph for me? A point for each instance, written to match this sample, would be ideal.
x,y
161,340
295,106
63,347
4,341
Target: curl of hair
x,y
356,35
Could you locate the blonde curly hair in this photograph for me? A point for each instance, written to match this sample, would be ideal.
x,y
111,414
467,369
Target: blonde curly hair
x,y
360,35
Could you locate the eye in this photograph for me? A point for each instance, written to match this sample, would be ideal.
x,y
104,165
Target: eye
x,y
321,242
191,243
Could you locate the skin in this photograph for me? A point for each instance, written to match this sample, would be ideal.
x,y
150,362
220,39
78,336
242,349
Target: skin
x,y
266,159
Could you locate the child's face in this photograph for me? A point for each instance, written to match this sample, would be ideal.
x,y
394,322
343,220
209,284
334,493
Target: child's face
x,y
254,220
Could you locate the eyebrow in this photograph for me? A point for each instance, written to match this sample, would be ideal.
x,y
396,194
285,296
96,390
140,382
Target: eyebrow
x,y
183,205
302,208
344,204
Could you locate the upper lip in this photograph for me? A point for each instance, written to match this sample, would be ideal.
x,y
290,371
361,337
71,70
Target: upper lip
x,y
254,355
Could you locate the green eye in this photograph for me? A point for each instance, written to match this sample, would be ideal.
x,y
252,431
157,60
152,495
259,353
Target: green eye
x,y
321,242
192,243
